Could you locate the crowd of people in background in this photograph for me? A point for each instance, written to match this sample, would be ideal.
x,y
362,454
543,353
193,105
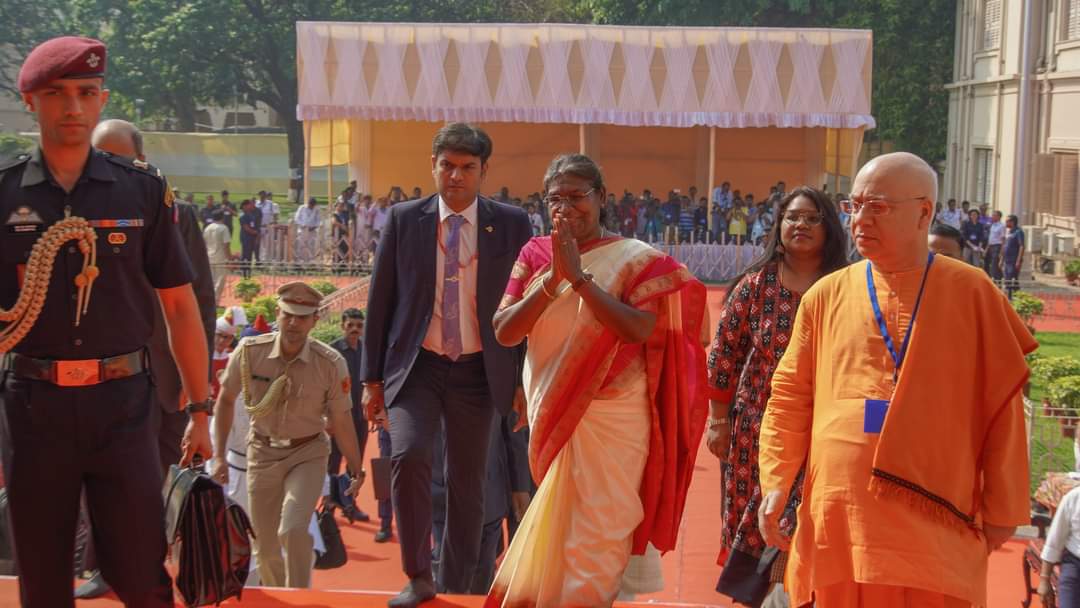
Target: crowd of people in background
x,y
984,239
347,232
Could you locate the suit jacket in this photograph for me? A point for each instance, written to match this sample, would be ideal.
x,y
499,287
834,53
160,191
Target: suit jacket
x,y
401,296
166,376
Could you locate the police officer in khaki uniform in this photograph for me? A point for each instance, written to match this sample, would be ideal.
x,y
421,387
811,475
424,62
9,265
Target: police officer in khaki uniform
x,y
292,386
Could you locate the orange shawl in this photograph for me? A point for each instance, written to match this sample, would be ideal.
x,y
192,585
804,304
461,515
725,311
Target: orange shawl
x,y
963,371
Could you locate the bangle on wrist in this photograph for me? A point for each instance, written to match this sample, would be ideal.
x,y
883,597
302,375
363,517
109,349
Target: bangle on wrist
x,y
372,383
717,422
543,287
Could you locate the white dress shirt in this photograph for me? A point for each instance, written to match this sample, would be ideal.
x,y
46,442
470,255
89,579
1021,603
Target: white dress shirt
x,y
467,258
997,234
1064,533
379,218
217,240
269,209
952,217
307,217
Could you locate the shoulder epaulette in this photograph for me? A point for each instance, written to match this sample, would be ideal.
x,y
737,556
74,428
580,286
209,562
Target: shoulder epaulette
x,y
262,338
15,161
140,166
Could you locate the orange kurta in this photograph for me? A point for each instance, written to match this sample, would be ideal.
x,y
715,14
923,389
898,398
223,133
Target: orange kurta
x,y
956,409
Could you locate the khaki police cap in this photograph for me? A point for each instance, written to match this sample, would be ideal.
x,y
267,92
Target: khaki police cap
x,y
299,298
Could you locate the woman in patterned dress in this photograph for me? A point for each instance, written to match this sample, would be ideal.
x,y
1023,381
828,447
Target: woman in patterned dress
x,y
806,243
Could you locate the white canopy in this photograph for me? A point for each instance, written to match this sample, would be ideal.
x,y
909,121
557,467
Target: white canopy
x,y
584,74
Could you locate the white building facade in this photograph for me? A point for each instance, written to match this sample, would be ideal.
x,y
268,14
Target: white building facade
x,y
1016,159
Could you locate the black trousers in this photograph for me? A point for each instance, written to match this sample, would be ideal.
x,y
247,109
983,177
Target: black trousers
x,y
60,439
333,464
249,250
169,432
456,394
386,507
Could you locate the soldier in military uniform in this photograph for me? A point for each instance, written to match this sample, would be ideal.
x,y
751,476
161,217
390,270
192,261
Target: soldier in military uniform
x,y
292,385
77,392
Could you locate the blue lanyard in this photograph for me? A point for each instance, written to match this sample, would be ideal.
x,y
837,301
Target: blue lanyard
x,y
898,358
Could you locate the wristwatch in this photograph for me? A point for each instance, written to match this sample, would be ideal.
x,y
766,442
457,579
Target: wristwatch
x,y
201,406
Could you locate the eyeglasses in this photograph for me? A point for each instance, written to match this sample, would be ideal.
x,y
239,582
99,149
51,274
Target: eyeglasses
x,y
811,219
556,200
874,206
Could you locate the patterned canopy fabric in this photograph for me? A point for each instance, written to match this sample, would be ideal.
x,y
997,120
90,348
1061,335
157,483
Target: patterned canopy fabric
x,y
580,74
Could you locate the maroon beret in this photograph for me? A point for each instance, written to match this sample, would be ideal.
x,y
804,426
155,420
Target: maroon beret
x,y
63,57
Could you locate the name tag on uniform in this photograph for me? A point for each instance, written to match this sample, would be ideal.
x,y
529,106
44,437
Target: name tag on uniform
x,y
874,415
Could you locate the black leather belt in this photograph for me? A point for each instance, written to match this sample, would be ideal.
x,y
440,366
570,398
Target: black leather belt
x,y
461,359
82,372
275,442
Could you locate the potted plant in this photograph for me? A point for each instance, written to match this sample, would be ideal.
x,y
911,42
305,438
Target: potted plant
x,y
1028,307
1048,370
265,306
1072,272
247,289
1065,394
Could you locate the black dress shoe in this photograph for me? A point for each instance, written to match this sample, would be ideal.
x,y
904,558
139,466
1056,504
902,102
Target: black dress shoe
x,y
418,591
383,536
354,514
94,587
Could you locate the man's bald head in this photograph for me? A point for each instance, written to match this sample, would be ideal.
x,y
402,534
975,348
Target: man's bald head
x,y
118,137
907,186
902,172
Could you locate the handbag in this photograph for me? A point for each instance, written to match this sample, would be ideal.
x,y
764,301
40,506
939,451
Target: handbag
x,y
209,537
335,556
746,579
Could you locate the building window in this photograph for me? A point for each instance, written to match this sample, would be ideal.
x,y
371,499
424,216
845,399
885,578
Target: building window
x,y
1072,19
984,174
991,24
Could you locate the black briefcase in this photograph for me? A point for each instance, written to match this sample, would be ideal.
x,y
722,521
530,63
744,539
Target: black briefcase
x,y
380,478
335,556
209,538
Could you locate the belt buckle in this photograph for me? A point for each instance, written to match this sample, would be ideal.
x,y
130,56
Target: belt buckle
x,y
280,443
83,372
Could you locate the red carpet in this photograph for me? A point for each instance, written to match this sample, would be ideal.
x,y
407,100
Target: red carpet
x,y
690,571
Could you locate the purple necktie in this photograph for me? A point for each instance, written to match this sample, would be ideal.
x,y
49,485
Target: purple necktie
x,y
451,311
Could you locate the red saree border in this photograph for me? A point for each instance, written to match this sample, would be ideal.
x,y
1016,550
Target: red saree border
x,y
677,385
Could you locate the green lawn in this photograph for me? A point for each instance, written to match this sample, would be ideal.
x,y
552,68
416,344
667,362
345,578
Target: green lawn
x,y
1050,451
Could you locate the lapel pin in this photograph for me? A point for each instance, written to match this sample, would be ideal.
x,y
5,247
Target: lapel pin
x,y
489,229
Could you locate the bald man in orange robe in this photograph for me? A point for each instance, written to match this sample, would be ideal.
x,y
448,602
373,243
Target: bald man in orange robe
x,y
901,394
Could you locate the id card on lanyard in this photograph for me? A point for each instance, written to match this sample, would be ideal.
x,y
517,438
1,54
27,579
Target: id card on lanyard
x,y
876,409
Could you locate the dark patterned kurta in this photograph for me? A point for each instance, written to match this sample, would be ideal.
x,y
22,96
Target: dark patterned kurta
x,y
753,332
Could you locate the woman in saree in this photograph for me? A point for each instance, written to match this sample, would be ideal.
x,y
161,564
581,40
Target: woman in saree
x,y
615,383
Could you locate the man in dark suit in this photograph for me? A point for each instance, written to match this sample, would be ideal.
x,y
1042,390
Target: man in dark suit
x,y
122,138
430,354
